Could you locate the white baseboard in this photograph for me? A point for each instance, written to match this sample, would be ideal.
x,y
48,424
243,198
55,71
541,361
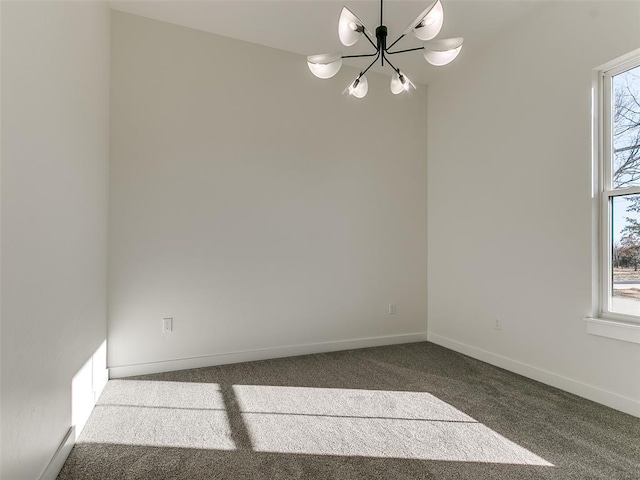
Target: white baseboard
x,y
57,462
610,399
261,354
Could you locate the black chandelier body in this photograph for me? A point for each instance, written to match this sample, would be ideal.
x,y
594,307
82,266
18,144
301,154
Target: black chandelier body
x,y
381,46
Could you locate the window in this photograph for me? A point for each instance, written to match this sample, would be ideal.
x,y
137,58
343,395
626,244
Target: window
x,y
620,200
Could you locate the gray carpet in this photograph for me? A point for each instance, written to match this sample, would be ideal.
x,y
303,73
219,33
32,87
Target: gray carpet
x,y
416,411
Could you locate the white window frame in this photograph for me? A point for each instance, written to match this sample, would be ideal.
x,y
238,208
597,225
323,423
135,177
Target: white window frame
x,y
605,322
607,192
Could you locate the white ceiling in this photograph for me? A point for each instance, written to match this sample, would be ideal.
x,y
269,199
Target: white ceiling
x,y
310,26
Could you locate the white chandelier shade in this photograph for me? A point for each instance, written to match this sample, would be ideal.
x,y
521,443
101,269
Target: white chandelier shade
x,y
429,23
358,88
325,65
400,83
350,27
442,52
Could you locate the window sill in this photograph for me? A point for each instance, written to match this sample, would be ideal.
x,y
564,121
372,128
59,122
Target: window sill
x,y
626,332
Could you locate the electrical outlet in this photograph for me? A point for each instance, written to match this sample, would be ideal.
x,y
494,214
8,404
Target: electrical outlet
x,y
167,325
393,308
498,324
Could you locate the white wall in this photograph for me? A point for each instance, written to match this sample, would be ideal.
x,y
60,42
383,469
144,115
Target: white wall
x,y
55,100
253,203
509,201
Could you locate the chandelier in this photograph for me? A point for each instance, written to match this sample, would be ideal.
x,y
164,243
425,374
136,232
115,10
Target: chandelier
x,y
350,29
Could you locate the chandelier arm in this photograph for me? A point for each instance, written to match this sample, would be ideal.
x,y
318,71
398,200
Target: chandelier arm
x,y
397,70
359,56
370,41
397,40
370,65
404,51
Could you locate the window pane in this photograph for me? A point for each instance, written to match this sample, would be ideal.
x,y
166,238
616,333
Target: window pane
x,y
625,255
626,129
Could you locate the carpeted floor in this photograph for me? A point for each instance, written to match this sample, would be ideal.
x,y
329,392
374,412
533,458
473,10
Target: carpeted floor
x,y
416,411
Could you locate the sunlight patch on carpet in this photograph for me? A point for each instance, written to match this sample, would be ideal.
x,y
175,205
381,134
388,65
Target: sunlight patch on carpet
x,y
161,414
370,423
